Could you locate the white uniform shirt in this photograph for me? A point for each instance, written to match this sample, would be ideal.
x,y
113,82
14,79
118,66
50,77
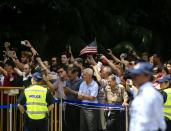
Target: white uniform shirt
x,y
147,110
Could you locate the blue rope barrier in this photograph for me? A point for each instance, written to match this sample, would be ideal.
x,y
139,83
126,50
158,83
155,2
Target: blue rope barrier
x,y
97,105
8,106
57,101
94,104
4,106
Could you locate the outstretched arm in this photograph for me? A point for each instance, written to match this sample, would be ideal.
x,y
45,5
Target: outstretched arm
x,y
49,84
113,56
113,66
72,57
3,71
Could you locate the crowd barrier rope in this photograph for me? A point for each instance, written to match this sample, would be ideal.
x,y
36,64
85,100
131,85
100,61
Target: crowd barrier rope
x,y
12,120
84,104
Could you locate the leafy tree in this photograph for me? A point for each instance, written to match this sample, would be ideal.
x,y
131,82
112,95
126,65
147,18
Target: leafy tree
x,y
144,23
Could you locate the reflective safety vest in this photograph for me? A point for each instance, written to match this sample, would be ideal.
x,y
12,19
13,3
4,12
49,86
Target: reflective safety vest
x,y
36,102
167,104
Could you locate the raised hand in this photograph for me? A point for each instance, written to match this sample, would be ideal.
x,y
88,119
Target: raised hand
x,y
103,57
28,44
11,54
109,51
69,49
7,45
46,78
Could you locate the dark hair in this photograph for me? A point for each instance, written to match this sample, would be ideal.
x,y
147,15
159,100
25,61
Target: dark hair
x,y
28,65
10,63
68,55
76,69
145,53
169,62
54,68
157,55
79,60
166,70
127,74
53,57
63,67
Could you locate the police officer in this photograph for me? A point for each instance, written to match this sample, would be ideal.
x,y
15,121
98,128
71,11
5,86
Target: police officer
x,y
39,102
146,112
165,86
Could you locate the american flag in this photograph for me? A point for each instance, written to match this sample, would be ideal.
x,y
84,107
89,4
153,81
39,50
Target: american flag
x,y
89,49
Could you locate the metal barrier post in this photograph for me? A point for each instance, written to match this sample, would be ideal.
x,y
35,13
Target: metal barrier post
x,y
60,119
10,111
2,110
52,121
8,120
126,117
55,117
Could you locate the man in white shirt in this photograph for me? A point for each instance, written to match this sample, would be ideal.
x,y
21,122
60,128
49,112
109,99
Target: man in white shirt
x,y
26,75
146,109
88,93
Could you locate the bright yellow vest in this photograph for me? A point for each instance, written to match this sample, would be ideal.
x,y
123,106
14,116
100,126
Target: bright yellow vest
x,y
36,102
167,104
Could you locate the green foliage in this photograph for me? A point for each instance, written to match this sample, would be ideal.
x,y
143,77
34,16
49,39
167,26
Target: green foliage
x,y
78,22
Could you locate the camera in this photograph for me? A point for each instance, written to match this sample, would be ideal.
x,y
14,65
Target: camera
x,y
108,51
123,55
23,43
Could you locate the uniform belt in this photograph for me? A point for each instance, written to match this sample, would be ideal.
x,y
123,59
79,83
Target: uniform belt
x,y
167,114
36,112
167,106
36,103
35,91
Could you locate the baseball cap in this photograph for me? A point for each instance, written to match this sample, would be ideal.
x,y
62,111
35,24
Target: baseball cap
x,y
142,67
37,76
164,79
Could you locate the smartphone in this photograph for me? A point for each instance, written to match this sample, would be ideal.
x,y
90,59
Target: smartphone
x,y
123,55
129,82
108,51
23,43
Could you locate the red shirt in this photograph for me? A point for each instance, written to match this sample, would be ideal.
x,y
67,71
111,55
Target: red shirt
x,y
8,83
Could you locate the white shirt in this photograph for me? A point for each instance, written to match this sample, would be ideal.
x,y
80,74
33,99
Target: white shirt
x,y
89,90
147,110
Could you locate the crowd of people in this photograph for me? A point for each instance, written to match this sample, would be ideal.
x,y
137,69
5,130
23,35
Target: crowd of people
x,y
92,78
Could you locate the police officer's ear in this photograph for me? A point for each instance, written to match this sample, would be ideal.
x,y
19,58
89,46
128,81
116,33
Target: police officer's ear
x,y
167,83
